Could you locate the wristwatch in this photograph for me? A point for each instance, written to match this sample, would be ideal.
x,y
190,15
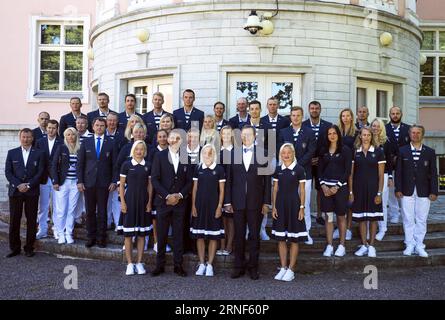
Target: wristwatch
x,y
302,207
379,194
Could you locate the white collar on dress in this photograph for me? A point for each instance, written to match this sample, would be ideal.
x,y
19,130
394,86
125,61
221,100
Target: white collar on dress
x,y
135,163
371,149
291,167
229,148
212,166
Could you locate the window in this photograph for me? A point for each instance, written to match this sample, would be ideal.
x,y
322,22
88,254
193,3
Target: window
x,y
377,96
433,71
441,167
144,90
59,66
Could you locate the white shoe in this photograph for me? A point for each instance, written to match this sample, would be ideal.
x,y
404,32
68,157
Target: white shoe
x,y
226,253
130,269
309,241
379,236
219,252
348,235
361,251
61,239
371,252
155,247
394,220
421,252
168,248
140,268
341,251
409,250
41,235
69,239
201,270
280,274
329,251
289,275
264,235
209,270
336,234
56,236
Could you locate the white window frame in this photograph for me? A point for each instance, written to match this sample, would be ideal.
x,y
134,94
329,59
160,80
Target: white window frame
x,y
152,85
436,54
371,96
34,94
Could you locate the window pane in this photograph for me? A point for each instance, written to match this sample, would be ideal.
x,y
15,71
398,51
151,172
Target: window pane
x,y
441,172
427,87
442,41
429,40
283,92
442,86
49,34
382,103
141,99
73,61
247,90
361,97
442,66
428,67
74,35
73,81
50,60
49,80
167,90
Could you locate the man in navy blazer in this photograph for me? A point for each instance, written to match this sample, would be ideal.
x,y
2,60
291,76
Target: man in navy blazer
x,y
130,109
103,101
23,170
40,131
219,108
48,145
171,176
242,118
416,186
152,118
188,115
303,139
96,178
69,120
249,198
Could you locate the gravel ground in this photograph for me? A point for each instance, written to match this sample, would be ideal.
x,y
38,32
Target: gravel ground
x,y
42,277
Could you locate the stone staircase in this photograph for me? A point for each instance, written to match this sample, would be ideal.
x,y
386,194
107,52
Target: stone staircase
x,y
389,251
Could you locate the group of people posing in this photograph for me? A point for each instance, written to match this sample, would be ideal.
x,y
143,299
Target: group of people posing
x,y
212,182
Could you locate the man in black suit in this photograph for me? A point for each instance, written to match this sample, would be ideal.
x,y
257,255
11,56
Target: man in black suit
x,y
188,116
48,145
249,199
171,177
23,169
96,178
69,120
242,118
40,131
103,101
130,109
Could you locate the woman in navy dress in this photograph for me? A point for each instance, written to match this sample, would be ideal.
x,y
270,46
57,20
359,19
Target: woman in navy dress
x,y
227,140
334,169
136,200
365,188
288,210
207,201
349,134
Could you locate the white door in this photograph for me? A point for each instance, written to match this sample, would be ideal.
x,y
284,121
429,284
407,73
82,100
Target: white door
x,y
377,96
145,88
287,88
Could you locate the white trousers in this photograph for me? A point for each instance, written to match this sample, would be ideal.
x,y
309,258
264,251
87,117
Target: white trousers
x,y
46,197
383,225
307,204
113,208
66,203
393,203
80,207
415,211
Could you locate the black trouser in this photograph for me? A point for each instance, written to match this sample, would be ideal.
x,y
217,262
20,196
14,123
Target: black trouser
x,y
96,223
189,243
176,218
251,218
16,209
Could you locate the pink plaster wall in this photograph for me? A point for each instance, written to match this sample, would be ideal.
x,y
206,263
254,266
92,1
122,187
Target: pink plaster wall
x,y
432,118
431,9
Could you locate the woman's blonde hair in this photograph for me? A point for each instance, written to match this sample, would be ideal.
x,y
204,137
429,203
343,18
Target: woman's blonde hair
x,y
381,138
209,136
291,147
352,129
227,127
358,140
76,147
135,144
128,129
215,156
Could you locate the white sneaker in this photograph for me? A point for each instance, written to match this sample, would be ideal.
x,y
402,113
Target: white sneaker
x,y
140,268
409,250
280,274
379,236
209,270
361,251
69,239
341,251
348,235
41,235
309,241
421,252
61,239
168,248
336,234
226,253
56,236
289,275
329,250
219,252
371,252
264,235
155,247
201,270
130,269
394,220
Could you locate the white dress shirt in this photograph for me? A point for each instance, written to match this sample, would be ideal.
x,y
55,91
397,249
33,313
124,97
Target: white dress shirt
x,y
175,159
51,144
25,154
101,141
247,156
